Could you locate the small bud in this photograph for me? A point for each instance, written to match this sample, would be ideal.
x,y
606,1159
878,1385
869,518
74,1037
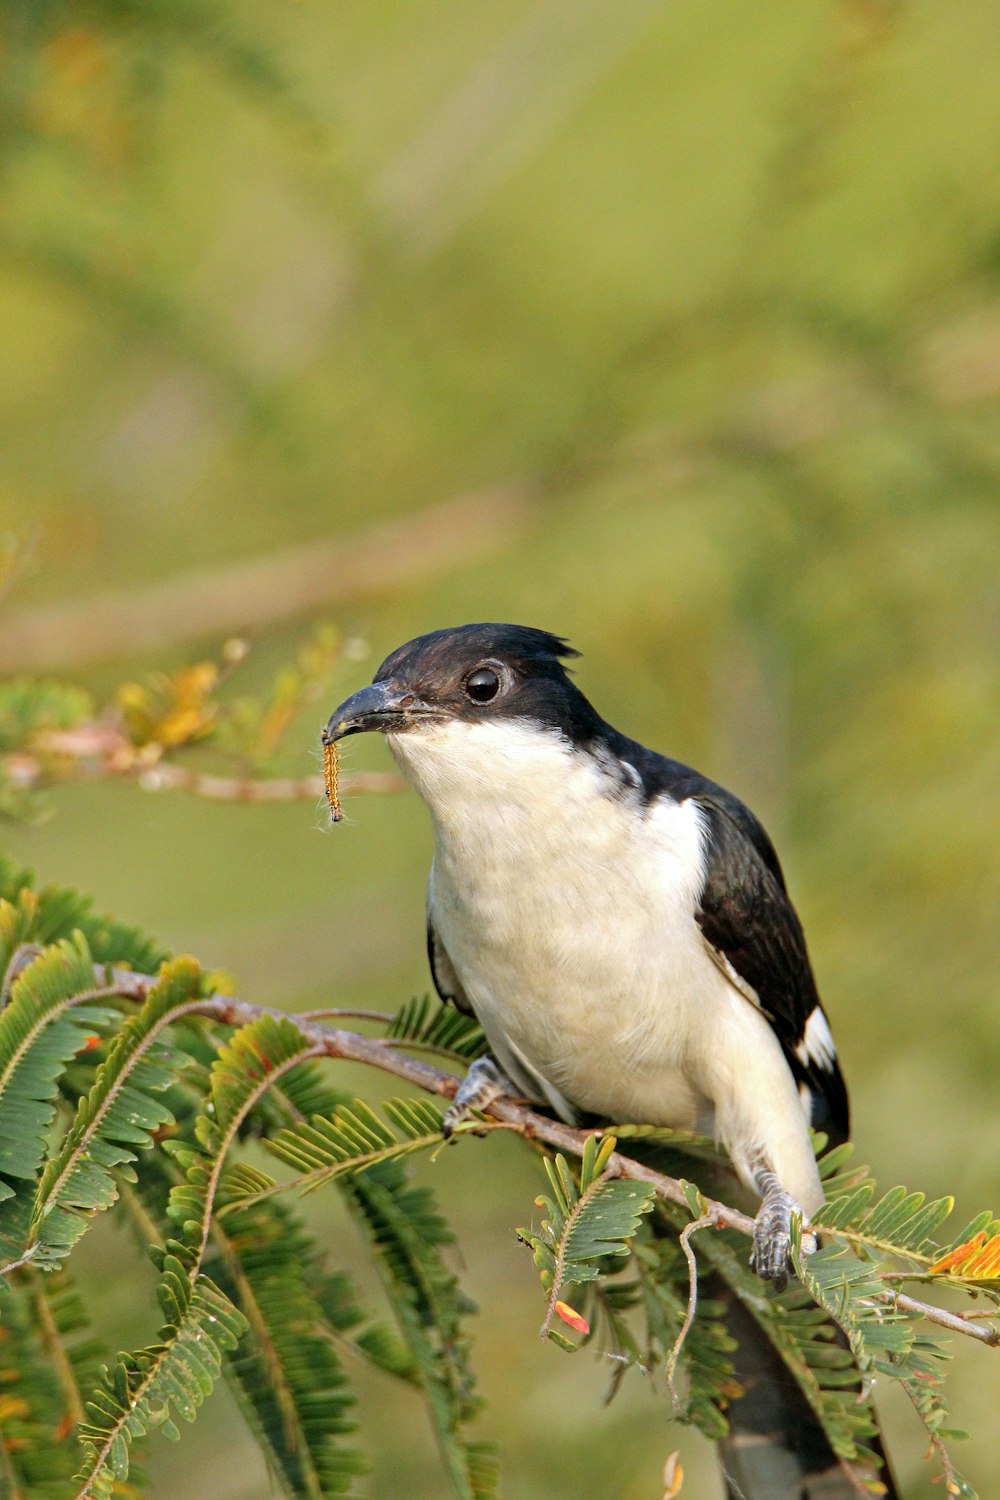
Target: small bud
x,y
673,1476
234,650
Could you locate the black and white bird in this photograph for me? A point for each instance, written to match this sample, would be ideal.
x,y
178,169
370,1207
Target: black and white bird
x,y
618,923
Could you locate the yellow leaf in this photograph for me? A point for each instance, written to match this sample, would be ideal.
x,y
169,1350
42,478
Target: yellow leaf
x,y
133,697
193,684
978,1259
182,724
985,1265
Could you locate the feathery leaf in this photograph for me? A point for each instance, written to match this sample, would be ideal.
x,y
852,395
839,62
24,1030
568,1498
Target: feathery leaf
x,y
146,1389
43,1363
354,1138
805,1337
584,1224
289,1379
178,1372
406,1232
122,1109
441,1028
41,1029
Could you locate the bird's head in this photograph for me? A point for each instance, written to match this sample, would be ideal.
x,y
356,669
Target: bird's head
x,y
472,674
469,695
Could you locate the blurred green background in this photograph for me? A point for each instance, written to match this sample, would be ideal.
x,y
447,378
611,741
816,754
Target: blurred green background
x,y
673,328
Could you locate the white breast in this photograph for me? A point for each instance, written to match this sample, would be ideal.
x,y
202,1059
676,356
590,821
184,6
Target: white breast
x,y
569,917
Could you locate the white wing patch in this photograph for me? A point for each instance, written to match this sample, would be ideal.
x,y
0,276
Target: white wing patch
x,y
735,979
816,1045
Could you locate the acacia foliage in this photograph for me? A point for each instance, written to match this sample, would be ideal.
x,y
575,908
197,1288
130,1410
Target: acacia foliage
x,y
103,1113
158,1114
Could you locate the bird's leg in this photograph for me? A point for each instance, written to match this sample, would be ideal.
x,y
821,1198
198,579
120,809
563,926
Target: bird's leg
x,y
772,1231
484,1082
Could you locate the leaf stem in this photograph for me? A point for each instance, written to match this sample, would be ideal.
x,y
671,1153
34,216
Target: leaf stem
x,y
705,1222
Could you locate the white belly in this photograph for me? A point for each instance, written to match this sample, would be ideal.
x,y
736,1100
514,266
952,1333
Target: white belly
x,y
576,1019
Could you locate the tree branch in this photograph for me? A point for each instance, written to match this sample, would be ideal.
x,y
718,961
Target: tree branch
x,y
351,1046
212,601
102,752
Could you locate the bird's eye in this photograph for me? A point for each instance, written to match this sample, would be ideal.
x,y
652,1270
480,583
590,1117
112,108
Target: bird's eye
x,y
482,684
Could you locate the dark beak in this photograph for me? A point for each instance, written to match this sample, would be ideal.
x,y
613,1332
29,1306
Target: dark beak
x,y
382,706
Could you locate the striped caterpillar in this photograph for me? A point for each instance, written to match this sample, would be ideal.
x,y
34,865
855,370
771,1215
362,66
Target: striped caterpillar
x,y
332,779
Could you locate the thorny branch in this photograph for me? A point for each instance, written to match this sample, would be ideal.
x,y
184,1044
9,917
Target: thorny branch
x,y
375,1052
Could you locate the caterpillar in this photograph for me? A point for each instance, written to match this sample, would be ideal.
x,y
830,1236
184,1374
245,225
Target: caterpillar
x,y
331,778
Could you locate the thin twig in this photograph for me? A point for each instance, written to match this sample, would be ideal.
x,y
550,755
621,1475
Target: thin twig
x,y
15,1265
954,1321
937,1445
347,1014
163,777
117,760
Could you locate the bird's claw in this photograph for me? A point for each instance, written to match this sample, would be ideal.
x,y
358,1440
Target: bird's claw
x,y
772,1233
483,1083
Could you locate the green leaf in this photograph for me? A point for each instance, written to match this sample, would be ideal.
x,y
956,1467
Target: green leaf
x,y
699,1147
880,1336
31,705
585,1224
441,1028
176,1374
799,1331
47,1353
847,1209
173,1376
353,1139
122,1109
41,1029
431,1025
253,1061
291,1383
406,1232
903,1221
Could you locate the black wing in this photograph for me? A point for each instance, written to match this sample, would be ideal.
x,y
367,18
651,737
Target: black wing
x,y
446,981
748,919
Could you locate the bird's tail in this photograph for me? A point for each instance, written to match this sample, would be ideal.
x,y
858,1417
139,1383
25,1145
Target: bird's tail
x,y
776,1448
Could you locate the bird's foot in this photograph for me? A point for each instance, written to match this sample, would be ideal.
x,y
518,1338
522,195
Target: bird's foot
x,y
772,1232
483,1083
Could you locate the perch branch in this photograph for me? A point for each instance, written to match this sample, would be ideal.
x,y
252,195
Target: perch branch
x,y
351,1046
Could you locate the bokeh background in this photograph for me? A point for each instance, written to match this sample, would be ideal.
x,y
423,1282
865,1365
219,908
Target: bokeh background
x,y
673,328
